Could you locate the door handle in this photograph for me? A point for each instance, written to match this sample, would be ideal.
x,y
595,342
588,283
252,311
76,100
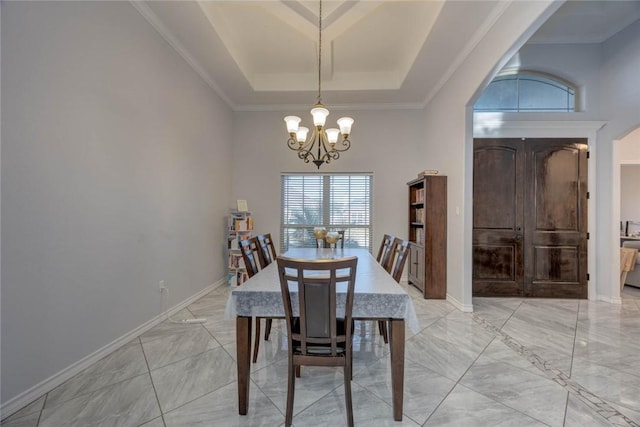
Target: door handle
x,y
518,237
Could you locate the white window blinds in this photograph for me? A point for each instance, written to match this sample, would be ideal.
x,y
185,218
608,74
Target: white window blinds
x,y
335,201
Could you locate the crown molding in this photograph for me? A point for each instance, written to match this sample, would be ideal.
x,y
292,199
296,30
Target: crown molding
x,y
173,41
332,107
464,53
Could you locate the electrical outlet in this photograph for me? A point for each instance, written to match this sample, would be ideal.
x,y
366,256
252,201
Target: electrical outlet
x,y
162,286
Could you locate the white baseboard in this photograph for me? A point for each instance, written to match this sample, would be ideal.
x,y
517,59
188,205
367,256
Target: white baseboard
x,y
465,308
611,300
23,399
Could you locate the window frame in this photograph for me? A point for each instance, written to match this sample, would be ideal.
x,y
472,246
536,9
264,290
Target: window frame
x,y
538,76
326,204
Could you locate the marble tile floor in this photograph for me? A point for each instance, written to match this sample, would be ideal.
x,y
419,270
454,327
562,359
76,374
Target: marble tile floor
x,y
513,362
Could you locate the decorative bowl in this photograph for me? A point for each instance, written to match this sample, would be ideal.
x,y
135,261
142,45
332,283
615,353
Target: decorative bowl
x,y
332,237
319,232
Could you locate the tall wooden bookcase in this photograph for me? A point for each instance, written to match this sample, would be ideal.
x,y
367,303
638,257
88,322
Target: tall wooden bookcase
x,y
428,235
239,227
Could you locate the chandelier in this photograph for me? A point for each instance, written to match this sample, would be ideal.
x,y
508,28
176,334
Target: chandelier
x,y
322,146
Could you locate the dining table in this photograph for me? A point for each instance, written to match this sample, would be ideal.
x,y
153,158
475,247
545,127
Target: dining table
x,y
377,296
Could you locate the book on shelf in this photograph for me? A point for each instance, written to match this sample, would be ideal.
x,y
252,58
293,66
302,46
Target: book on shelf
x,y
419,195
418,215
244,224
240,221
242,277
236,261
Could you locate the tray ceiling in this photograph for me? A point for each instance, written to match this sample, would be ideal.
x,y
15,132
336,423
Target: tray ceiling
x,y
263,54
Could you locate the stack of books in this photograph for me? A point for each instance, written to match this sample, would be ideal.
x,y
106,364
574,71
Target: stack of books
x,y
427,172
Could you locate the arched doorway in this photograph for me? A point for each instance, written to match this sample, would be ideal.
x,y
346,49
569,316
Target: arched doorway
x,y
626,178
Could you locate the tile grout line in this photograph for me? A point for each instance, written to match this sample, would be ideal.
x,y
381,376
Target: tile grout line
x,y
155,392
46,396
595,403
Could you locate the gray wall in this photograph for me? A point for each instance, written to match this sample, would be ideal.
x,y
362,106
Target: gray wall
x,y
115,175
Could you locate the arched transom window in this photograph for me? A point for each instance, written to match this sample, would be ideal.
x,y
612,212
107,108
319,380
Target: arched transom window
x,y
527,91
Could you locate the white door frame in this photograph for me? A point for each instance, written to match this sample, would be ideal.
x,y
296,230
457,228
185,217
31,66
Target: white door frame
x,y
487,125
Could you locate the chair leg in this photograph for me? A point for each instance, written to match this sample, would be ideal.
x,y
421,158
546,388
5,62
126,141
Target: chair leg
x,y
382,327
347,392
256,340
291,389
267,328
298,371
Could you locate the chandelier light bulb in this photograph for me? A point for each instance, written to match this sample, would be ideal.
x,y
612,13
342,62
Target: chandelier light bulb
x,y
345,125
332,135
301,134
292,123
319,114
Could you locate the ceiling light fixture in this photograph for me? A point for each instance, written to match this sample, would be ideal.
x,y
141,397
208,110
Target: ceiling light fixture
x,y
322,146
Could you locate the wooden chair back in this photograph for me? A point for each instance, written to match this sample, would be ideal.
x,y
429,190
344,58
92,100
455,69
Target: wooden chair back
x,y
386,252
267,247
399,258
252,256
256,257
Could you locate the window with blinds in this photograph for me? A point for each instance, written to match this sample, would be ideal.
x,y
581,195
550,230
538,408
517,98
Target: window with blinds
x,y
334,201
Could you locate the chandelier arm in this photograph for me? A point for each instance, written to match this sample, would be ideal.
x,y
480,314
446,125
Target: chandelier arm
x,y
306,151
344,145
293,144
322,146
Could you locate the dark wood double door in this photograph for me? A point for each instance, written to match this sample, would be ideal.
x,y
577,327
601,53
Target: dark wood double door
x,y
530,217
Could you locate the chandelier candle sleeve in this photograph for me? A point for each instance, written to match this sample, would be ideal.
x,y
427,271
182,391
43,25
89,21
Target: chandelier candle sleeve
x,y
301,134
292,124
319,114
345,125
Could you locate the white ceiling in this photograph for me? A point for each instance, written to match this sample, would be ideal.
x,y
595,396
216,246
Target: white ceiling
x,y
375,54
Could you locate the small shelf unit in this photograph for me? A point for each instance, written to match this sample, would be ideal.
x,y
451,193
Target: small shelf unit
x,y
428,235
239,227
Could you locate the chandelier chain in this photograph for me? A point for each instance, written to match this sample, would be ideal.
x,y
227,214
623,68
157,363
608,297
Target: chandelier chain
x,y
320,54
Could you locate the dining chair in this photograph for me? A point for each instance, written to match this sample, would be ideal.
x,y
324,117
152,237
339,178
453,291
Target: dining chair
x,y
319,335
252,256
268,249
326,244
268,255
386,250
399,253
385,259
399,258
253,262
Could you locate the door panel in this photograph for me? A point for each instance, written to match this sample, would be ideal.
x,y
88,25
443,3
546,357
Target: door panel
x,y
416,265
555,238
498,217
529,218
